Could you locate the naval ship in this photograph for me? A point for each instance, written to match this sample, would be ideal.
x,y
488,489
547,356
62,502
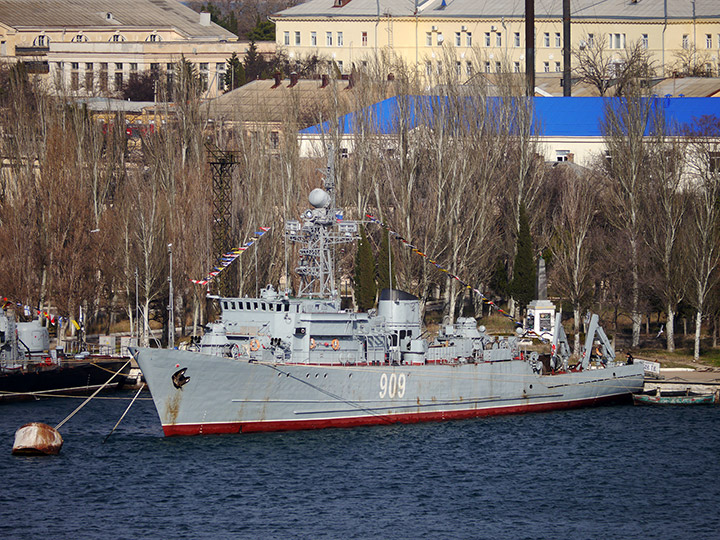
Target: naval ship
x,y
280,362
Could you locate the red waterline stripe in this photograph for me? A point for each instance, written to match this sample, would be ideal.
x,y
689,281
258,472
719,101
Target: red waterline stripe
x,y
405,418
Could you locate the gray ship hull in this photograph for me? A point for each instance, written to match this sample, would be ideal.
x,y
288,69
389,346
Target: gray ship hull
x,y
196,393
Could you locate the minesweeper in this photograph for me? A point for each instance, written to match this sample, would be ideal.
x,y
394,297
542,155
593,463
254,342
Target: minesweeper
x,y
279,362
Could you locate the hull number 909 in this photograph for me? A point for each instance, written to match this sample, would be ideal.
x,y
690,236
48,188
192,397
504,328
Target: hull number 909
x,y
392,386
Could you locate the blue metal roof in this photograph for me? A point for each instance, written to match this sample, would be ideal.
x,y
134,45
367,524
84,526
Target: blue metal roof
x,y
561,116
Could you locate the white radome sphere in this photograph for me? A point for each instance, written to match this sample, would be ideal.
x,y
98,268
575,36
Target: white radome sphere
x,y
319,198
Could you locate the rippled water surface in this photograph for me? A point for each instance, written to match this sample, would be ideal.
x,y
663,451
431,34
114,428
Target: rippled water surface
x,y
612,472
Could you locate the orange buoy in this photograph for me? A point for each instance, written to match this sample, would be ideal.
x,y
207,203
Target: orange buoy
x,y
37,439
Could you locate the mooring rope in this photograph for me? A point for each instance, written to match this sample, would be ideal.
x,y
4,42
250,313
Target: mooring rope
x,y
93,395
123,414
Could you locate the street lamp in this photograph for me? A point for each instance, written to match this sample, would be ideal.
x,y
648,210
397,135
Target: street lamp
x,y
171,318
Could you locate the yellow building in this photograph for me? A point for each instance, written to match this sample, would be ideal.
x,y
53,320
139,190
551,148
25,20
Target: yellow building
x,y
93,46
490,35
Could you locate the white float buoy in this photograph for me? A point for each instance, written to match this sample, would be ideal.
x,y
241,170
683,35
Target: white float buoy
x,y
37,439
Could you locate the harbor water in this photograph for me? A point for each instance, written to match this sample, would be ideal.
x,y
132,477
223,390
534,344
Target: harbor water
x,y
608,472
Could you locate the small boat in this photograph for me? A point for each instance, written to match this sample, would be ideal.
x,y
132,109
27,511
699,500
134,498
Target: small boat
x,y
676,398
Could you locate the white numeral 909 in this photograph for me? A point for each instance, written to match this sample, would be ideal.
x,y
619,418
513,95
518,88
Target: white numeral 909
x,y
392,386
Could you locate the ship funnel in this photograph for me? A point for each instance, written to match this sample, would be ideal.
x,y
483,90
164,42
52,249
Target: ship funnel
x,y
319,198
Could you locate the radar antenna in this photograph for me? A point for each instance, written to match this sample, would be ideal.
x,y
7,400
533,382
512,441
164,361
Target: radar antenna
x,y
322,228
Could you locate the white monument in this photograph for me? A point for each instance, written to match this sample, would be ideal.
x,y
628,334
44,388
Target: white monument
x,y
541,312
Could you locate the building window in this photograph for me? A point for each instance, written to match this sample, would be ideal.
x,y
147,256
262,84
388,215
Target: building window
x,y
708,41
498,39
516,67
74,81
487,39
41,41
340,65
339,39
557,67
328,39
562,155
117,37
558,41
428,68
88,66
457,39
103,77
313,39
74,65
617,41
685,41
468,69
89,83
297,38
274,139
714,162
644,41
516,39
458,68
344,153
440,39
546,39
487,67
498,67
133,67
220,71
546,67
428,39
118,81
286,38
118,66
591,40
153,37
155,68
79,38
708,69
468,39
363,39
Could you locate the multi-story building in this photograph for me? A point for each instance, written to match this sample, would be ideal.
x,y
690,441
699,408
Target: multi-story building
x,y
490,36
93,46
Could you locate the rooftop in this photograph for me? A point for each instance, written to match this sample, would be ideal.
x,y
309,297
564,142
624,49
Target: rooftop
x,y
438,9
560,117
108,15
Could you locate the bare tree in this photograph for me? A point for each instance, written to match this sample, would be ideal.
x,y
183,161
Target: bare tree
x,y
704,241
623,126
572,245
605,68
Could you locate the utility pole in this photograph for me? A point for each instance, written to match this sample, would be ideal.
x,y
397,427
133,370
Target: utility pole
x,y
567,81
171,310
137,307
530,47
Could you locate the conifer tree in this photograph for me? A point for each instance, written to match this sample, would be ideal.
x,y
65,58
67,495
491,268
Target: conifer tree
x,y
235,74
384,264
523,284
365,287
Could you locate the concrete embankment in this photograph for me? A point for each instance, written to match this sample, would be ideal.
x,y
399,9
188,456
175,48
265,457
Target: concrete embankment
x,y
701,380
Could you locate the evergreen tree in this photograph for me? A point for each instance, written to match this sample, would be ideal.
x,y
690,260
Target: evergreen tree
x,y
254,63
365,288
523,283
263,31
384,263
235,73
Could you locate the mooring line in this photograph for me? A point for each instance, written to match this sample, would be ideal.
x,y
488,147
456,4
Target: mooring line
x,y
93,395
123,414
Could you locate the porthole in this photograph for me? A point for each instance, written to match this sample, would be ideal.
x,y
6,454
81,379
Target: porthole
x,y
325,376
531,387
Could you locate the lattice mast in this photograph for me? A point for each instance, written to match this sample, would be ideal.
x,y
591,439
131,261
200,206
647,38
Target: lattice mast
x,y
222,163
322,228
